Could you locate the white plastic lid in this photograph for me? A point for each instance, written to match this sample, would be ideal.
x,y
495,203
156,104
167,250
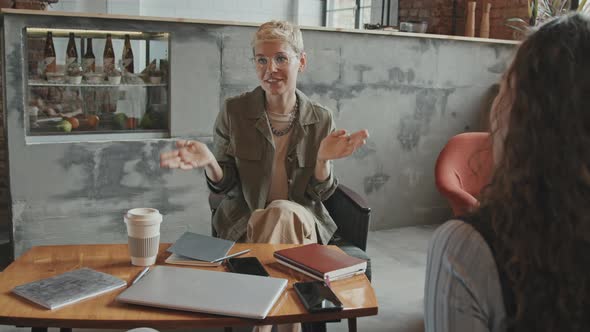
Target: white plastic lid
x,y
143,216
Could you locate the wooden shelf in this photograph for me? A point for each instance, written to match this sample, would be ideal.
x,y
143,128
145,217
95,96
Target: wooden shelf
x,y
94,85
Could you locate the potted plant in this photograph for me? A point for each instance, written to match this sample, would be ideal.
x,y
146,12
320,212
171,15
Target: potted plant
x,y
541,11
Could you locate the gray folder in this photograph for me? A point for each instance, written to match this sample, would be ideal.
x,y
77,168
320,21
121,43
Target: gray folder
x,y
211,292
201,247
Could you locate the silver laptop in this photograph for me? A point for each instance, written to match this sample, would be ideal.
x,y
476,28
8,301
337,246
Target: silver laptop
x,y
211,292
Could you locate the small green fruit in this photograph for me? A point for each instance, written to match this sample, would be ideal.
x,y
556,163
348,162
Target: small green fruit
x,y
147,121
65,126
119,120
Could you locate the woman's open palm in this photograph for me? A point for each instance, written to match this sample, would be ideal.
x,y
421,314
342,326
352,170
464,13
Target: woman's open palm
x,y
188,155
339,144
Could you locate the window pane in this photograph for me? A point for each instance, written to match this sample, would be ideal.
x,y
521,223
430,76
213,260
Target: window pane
x,y
341,13
341,19
365,16
337,4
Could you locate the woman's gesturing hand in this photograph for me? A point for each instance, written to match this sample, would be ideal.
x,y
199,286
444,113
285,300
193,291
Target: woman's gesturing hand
x,y
187,155
340,144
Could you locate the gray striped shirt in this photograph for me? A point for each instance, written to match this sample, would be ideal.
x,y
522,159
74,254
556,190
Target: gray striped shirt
x,y
462,290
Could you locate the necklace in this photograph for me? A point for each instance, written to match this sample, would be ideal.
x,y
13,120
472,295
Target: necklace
x,y
292,116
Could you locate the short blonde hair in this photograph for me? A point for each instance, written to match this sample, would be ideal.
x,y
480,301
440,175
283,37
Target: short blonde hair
x,y
279,31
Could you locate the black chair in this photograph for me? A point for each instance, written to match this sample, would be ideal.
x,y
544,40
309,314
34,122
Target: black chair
x,y
351,213
5,256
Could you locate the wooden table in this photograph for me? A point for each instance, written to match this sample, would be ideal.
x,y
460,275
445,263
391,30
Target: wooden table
x,y
104,311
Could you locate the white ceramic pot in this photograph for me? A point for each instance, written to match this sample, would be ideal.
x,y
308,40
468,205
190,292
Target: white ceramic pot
x,y
115,79
74,79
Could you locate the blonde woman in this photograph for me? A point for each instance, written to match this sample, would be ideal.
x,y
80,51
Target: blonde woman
x,y
272,151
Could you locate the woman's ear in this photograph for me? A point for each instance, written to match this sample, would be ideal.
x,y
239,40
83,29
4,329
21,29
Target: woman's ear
x,y
302,61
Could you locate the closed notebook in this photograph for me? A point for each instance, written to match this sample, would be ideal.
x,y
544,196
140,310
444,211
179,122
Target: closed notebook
x,y
69,287
200,247
319,261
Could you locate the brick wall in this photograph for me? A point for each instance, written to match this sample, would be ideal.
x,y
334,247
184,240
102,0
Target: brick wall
x,y
29,4
439,14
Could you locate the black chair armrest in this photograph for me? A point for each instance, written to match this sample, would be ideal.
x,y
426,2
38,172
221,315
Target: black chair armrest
x,y
352,214
359,202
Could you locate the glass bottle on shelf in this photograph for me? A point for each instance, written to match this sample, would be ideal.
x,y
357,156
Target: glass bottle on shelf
x,y
108,55
89,60
127,56
49,54
71,51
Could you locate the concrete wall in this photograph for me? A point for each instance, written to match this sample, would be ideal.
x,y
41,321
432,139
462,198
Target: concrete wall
x,y
412,93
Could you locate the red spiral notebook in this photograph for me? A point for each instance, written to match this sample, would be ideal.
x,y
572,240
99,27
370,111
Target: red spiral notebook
x,y
319,261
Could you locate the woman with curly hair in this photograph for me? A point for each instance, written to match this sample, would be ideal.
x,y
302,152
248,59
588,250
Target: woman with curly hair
x,y
521,262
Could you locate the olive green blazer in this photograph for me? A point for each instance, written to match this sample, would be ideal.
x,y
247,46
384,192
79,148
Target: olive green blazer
x,y
243,146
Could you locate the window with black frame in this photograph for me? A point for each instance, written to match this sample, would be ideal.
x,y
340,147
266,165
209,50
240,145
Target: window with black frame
x,y
347,14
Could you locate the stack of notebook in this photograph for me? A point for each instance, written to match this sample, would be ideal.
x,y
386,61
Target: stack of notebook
x,y
198,250
321,262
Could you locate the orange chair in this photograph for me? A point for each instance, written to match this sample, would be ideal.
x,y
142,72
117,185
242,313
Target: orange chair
x,y
463,168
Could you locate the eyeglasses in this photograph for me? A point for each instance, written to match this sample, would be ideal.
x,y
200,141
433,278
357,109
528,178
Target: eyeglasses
x,y
280,60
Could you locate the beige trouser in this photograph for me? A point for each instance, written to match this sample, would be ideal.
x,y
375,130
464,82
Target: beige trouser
x,y
281,221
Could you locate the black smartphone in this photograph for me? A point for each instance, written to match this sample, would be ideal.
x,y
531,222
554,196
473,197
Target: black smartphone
x,y
317,297
246,265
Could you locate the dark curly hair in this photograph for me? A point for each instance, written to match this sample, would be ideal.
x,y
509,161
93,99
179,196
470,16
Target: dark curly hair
x,y
538,202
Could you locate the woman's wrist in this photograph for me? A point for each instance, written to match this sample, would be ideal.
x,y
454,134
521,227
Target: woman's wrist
x,y
214,171
322,170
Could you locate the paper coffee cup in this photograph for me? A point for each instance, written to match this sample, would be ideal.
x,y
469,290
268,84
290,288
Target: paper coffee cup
x,y
143,234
